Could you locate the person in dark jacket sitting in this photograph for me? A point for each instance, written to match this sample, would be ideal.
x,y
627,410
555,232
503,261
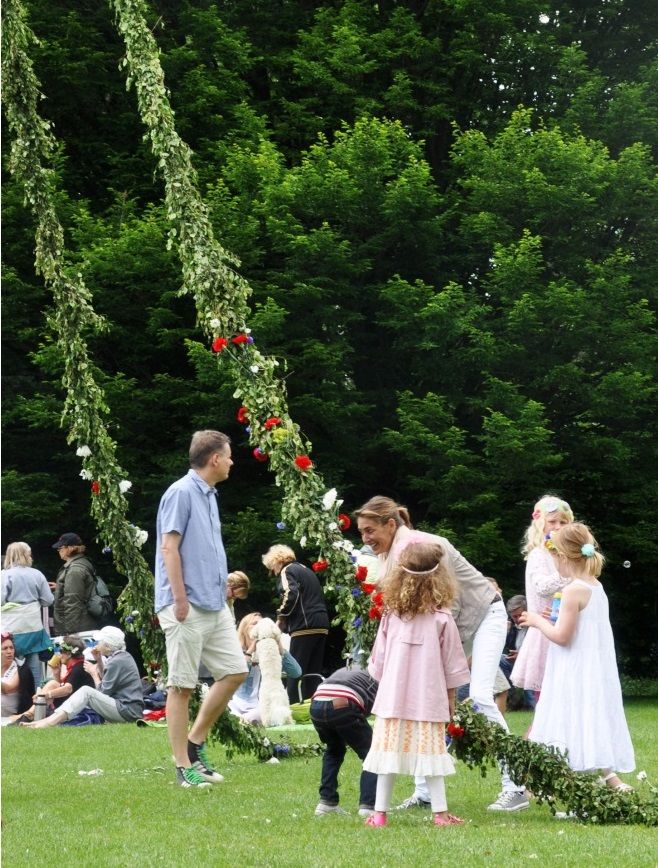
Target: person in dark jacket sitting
x,y
302,613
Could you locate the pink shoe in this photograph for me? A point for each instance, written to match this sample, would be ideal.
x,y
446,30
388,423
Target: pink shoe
x,y
376,819
450,820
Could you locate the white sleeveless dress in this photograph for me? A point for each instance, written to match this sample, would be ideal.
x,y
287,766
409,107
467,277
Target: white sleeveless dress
x,y
580,708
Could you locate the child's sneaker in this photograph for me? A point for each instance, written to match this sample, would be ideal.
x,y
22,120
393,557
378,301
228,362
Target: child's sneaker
x,y
323,808
201,764
376,819
365,811
189,777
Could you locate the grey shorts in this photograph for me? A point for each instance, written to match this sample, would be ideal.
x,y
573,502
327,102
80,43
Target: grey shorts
x,y
205,636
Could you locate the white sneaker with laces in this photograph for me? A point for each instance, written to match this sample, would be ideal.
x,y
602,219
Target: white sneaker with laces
x,y
323,809
509,801
413,802
366,812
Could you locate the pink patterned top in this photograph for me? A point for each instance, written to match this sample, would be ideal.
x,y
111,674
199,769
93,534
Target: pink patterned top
x,y
542,580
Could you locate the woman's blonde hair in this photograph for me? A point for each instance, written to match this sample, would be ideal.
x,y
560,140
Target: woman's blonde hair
x,y
382,509
420,582
576,543
238,581
245,626
277,557
549,504
18,554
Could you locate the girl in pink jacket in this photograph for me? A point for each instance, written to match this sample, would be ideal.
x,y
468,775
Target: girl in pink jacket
x,y
419,662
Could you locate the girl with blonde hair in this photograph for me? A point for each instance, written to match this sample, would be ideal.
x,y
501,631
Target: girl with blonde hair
x,y
542,580
580,710
419,662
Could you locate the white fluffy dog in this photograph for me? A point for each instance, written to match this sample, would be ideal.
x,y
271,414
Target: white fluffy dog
x,y
273,699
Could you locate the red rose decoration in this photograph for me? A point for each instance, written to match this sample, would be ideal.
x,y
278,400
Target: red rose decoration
x,y
319,566
344,521
95,487
361,574
303,462
454,730
374,613
272,422
378,599
242,416
219,344
259,455
368,587
240,339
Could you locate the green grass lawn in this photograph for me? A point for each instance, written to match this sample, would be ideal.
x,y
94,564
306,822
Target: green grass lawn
x,y
262,815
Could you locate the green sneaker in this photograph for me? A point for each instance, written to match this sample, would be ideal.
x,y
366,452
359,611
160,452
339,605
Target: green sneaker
x,y
189,777
201,764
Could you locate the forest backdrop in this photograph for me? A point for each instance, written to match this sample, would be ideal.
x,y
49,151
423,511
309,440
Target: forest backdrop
x,y
448,212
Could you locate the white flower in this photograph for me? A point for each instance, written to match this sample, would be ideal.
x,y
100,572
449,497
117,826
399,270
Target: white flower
x,y
332,526
247,331
544,18
254,369
215,324
642,776
337,544
302,542
85,474
83,451
266,742
348,545
125,485
135,612
140,537
329,499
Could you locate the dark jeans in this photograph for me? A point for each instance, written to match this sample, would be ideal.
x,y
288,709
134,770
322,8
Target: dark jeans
x,y
340,728
308,651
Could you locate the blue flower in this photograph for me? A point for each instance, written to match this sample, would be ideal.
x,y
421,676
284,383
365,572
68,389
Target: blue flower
x,y
587,550
357,622
129,619
250,340
354,557
281,525
107,550
248,429
356,592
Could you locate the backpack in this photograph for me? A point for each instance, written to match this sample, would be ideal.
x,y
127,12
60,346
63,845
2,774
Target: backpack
x,y
100,604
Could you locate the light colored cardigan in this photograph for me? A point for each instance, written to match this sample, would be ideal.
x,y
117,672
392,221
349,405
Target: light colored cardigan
x,y
416,661
476,593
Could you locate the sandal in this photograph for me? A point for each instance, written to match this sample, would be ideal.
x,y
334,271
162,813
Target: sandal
x,y
621,786
449,820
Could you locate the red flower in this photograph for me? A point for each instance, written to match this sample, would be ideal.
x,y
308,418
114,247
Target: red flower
x,y
95,487
454,730
368,587
378,599
361,574
272,422
319,566
242,416
259,455
374,613
240,339
303,462
219,344
344,521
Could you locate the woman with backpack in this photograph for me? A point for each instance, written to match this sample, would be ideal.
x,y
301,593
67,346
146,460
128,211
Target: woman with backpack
x,y
74,587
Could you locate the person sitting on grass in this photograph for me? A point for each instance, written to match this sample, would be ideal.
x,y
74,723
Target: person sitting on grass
x,y
71,676
117,696
17,682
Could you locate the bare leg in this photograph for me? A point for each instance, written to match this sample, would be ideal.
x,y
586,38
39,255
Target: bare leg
x,y
212,706
178,719
53,720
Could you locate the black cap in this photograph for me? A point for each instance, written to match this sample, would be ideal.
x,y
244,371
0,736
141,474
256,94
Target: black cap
x,y
68,539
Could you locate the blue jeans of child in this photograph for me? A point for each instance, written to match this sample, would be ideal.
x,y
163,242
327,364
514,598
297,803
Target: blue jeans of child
x,y
340,723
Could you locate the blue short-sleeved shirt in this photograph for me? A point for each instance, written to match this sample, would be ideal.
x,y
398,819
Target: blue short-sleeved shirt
x,y
189,508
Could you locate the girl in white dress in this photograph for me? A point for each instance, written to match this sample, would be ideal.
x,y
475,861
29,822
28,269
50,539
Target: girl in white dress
x,y
580,708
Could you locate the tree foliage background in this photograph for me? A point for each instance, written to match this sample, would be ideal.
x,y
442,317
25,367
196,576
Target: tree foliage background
x,y
449,215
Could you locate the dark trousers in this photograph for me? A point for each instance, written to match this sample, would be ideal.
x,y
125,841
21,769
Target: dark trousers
x,y
308,651
340,728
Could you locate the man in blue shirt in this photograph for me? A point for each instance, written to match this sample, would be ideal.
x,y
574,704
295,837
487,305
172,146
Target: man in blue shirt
x,y
190,601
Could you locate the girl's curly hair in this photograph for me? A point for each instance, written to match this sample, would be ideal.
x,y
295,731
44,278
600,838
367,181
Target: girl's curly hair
x,y
420,582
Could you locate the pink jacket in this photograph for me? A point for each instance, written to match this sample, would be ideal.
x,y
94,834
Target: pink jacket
x,y
415,662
